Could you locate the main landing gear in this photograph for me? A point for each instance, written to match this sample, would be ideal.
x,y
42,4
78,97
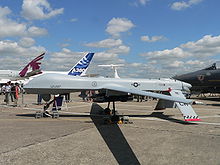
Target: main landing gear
x,y
113,117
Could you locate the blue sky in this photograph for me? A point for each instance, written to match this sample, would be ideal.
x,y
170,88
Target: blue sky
x,y
152,38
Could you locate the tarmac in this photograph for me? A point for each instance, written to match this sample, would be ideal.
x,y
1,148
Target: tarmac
x,y
152,137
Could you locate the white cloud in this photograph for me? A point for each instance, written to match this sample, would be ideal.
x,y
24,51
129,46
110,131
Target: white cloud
x,y
136,3
26,42
107,43
13,48
195,62
38,10
103,56
186,57
118,25
122,49
176,64
34,31
64,45
11,28
166,54
15,56
8,27
135,64
153,38
115,46
183,4
143,2
179,5
205,47
73,20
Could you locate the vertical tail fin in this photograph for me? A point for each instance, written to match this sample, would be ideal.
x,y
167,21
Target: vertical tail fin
x,y
81,67
186,109
33,67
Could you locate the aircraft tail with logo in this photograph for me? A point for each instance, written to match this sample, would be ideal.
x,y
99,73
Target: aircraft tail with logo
x,y
81,67
32,68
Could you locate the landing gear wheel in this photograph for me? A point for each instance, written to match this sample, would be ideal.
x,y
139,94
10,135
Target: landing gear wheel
x,y
55,115
115,118
107,111
38,115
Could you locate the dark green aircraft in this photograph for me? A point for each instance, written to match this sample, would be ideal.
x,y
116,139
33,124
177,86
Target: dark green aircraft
x,y
203,81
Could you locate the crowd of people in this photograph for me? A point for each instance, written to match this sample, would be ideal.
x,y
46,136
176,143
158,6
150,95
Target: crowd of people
x,y
11,92
87,95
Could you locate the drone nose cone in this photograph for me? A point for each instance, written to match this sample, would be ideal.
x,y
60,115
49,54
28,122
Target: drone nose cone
x,y
186,86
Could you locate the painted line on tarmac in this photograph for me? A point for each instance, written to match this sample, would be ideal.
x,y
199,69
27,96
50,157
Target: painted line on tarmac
x,y
33,109
203,117
88,119
207,109
74,113
155,119
49,119
136,110
78,106
207,123
151,119
132,105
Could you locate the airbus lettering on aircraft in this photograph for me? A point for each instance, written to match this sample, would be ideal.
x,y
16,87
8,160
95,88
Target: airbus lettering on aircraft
x,y
78,70
81,67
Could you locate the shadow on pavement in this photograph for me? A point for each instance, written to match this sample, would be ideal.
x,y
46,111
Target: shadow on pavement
x,y
114,139
160,115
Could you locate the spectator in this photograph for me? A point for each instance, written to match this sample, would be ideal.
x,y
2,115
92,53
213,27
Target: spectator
x,y
12,91
16,93
7,90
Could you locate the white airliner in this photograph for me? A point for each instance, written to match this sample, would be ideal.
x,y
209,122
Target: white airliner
x,y
31,69
79,69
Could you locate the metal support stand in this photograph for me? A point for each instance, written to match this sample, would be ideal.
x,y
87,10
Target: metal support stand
x,y
39,114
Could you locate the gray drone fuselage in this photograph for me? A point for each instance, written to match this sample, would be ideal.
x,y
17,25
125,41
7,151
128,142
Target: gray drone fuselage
x,y
59,84
117,89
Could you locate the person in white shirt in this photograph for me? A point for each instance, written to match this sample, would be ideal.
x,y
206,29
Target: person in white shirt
x,y
7,90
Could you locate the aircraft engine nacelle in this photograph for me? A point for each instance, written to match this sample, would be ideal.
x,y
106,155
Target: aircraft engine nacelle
x,y
46,97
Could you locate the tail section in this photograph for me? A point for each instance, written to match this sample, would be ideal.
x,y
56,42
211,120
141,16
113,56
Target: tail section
x,y
32,68
80,68
186,109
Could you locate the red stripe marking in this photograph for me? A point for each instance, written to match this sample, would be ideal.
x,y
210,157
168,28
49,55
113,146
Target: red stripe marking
x,y
192,119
